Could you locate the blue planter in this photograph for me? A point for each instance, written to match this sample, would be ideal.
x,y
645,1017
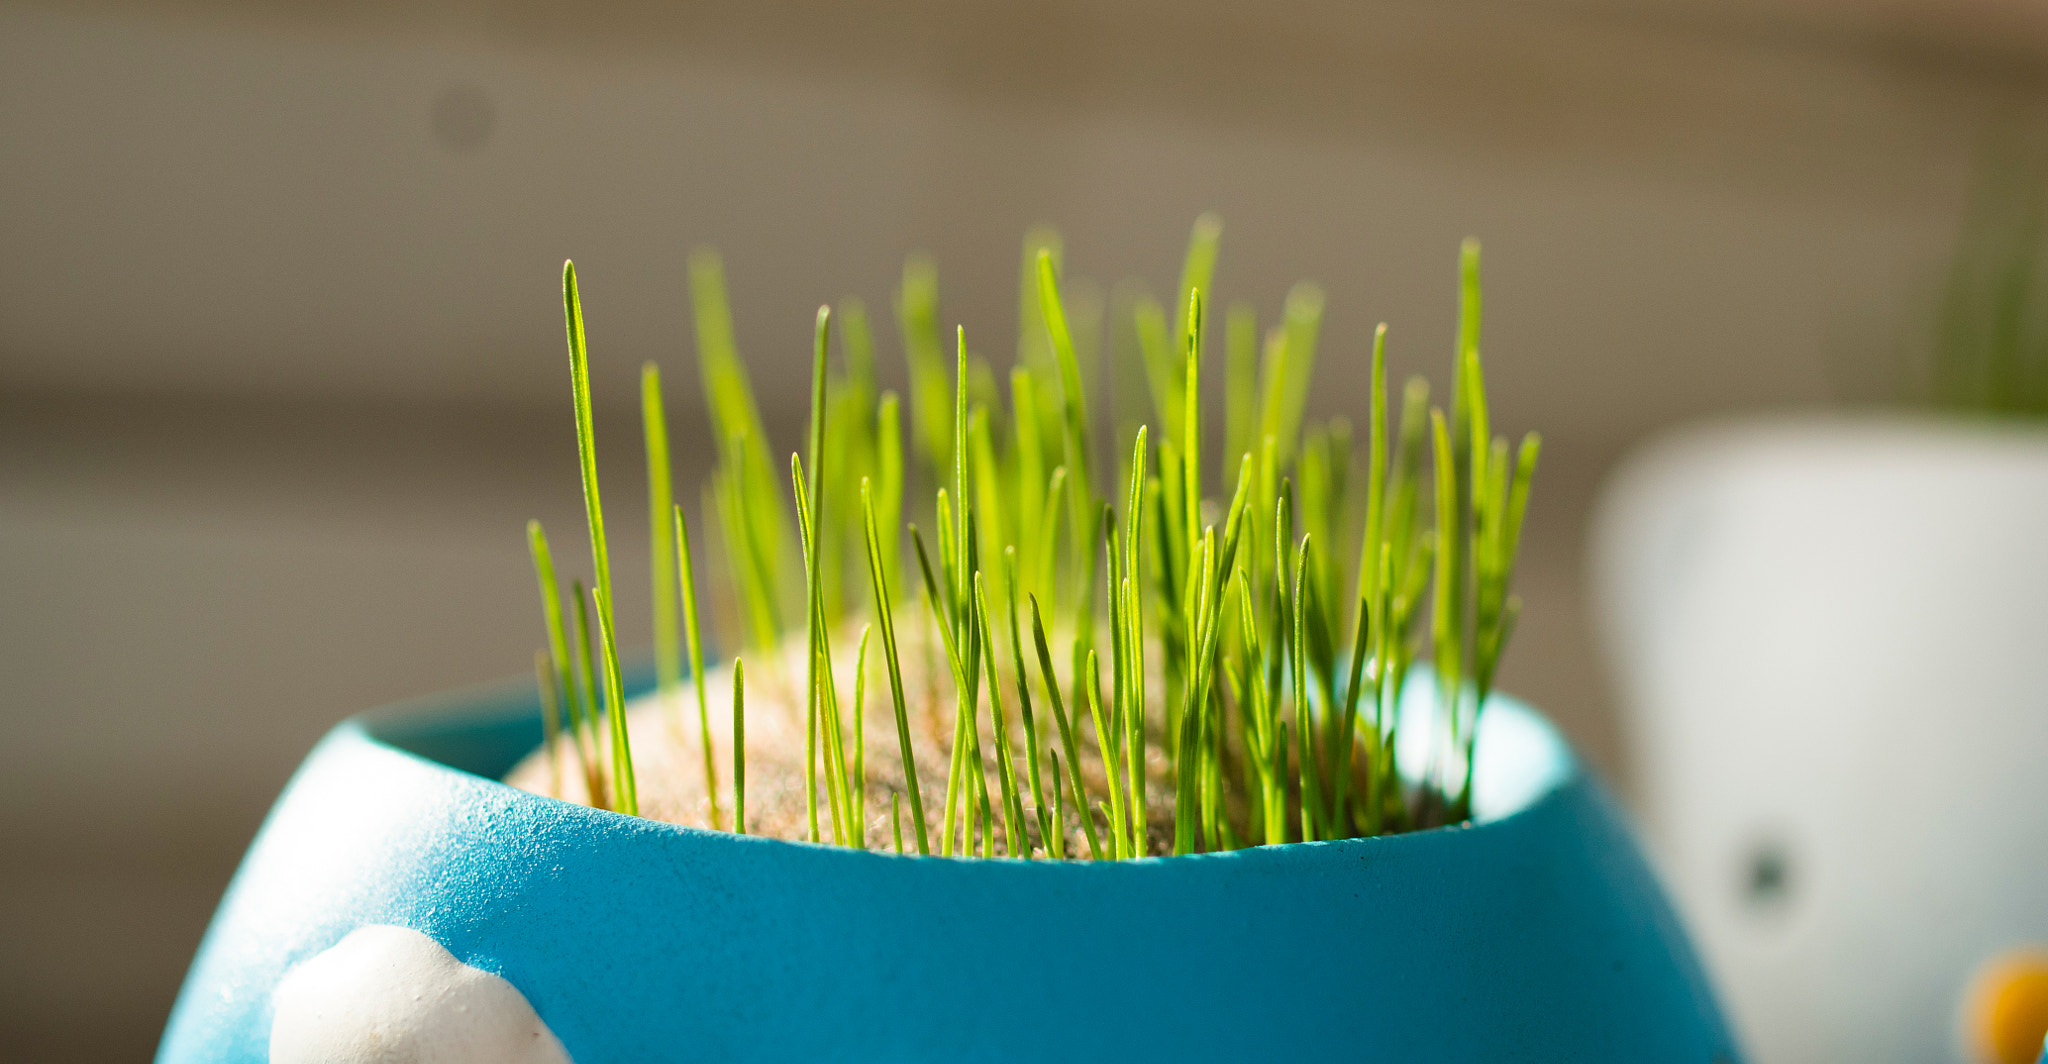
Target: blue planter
x,y
1536,934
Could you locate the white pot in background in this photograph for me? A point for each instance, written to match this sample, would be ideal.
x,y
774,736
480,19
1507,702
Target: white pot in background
x,y
1830,638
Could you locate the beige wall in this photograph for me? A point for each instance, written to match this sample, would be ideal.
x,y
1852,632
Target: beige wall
x,y
224,200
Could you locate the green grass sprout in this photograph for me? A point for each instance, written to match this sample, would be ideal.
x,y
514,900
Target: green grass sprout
x,y
624,791
1058,837
963,713
1006,770
810,498
1023,675
687,590
661,537
1074,449
917,314
756,532
1067,740
739,746
885,614
560,670
1231,666
859,780
587,683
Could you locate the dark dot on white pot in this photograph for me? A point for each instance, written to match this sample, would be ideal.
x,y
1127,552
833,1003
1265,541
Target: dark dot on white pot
x,y
463,118
1766,875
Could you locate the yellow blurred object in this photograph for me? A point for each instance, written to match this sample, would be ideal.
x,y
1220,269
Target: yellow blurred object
x,y
2005,1010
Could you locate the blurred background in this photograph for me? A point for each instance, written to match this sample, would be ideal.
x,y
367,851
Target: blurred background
x,y
281,359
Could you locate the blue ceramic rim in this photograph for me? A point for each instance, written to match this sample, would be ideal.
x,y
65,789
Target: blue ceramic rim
x,y
443,730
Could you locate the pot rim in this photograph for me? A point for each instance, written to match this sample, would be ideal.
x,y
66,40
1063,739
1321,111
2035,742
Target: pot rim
x,y
631,937
1522,759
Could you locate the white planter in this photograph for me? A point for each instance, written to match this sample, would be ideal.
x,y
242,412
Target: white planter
x,y
1831,642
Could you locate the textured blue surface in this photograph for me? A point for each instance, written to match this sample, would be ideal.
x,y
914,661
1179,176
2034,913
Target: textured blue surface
x,y
1539,935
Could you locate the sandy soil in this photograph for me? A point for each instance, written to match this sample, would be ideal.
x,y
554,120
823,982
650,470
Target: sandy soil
x,y
669,766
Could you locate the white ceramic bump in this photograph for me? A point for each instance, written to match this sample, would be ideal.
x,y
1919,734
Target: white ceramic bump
x,y
391,995
1831,642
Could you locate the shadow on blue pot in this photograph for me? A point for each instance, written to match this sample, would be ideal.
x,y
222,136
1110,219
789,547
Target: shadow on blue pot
x,y
1535,934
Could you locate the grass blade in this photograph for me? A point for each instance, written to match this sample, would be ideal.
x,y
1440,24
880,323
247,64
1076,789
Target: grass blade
x,y
661,539
736,421
1066,730
558,644
812,498
886,615
859,781
739,746
917,315
593,760
687,580
1197,272
1106,745
624,788
586,448
1006,772
1024,701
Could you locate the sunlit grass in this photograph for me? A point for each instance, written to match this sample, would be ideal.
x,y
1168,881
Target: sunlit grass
x,y
1231,648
